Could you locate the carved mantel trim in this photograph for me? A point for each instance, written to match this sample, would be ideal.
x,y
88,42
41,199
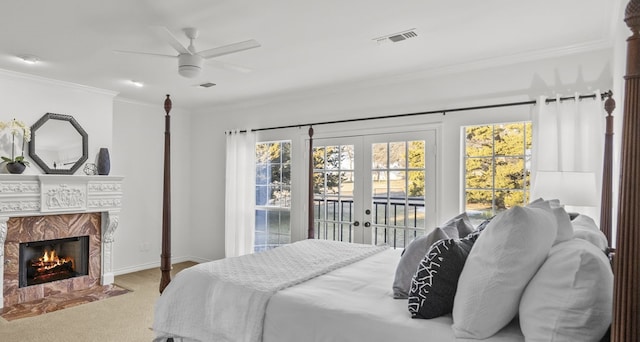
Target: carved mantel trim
x,y
36,195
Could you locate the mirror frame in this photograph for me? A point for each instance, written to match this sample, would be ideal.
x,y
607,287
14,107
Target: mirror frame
x,y
76,125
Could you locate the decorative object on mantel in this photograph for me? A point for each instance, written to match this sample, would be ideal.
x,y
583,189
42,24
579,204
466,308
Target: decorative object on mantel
x,y
104,162
90,169
59,145
16,164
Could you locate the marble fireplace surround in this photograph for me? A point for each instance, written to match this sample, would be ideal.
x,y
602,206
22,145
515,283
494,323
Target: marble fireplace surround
x,y
31,196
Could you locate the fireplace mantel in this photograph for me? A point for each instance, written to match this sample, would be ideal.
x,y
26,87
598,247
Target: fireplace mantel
x,y
36,195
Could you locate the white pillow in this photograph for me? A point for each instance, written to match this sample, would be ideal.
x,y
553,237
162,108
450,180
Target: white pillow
x,y
584,222
565,228
570,297
585,228
502,261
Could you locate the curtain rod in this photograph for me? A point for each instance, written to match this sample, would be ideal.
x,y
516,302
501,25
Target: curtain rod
x,y
443,111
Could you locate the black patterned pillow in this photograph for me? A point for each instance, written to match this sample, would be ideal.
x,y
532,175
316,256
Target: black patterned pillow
x,y
433,287
484,224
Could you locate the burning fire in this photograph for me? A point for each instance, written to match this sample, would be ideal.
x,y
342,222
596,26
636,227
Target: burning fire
x,y
50,260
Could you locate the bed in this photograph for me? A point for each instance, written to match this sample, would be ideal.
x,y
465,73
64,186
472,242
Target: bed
x,y
353,300
354,304
320,290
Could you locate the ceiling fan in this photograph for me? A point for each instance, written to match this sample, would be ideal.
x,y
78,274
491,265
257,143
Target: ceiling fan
x,y
190,60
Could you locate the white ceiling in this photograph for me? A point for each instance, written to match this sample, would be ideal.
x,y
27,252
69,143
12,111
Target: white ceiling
x,y
306,45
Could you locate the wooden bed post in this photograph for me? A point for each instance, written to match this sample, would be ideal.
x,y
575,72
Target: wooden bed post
x,y
607,189
165,257
626,290
310,229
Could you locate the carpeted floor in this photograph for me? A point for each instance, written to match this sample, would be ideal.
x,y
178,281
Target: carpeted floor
x,y
126,317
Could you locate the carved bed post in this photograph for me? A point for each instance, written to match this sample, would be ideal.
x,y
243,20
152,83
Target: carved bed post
x,y
310,231
626,291
607,171
165,257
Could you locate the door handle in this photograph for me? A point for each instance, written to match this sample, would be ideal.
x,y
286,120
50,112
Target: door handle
x,y
367,224
356,223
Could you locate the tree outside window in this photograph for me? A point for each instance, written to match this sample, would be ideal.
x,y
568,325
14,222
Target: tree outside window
x,y
497,168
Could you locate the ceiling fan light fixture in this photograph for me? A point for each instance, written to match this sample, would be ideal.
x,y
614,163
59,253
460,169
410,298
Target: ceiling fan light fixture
x,y
189,66
189,71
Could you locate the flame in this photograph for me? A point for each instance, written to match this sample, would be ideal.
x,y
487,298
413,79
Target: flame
x,y
50,260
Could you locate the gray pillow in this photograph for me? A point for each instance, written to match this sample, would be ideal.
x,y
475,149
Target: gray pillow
x,y
411,258
462,223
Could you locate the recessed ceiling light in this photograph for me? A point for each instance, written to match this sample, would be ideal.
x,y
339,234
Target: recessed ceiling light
x,y
29,59
137,83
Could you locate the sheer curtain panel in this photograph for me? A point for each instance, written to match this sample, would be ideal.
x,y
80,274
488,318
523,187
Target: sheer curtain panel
x,y
239,216
568,139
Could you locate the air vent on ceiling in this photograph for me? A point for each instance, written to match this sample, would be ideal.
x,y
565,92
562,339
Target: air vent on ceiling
x,y
207,85
397,37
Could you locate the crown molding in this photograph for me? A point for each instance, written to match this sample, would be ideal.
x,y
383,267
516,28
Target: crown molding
x,y
415,74
50,81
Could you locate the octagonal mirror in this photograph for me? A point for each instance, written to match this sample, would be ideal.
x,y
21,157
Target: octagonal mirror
x,y
59,145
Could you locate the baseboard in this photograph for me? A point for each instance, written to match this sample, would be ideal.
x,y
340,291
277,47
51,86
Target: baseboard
x,y
142,267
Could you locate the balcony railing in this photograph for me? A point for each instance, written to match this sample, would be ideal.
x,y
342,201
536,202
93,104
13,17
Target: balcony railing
x,y
394,221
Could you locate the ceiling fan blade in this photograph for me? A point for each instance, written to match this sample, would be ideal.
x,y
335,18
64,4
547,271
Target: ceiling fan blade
x,y
231,48
145,53
166,35
230,66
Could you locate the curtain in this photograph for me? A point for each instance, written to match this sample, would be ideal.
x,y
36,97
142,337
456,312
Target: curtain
x,y
568,137
239,212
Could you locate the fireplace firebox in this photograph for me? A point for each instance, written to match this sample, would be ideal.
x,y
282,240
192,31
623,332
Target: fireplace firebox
x,y
52,260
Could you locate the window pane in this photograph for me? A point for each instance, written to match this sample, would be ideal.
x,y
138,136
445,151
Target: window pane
x,y
262,197
379,186
346,183
261,174
274,153
379,156
479,173
347,157
318,157
416,154
397,155
273,189
286,173
416,184
479,141
333,157
509,139
497,166
509,173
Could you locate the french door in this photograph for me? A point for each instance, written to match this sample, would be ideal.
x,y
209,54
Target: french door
x,y
374,188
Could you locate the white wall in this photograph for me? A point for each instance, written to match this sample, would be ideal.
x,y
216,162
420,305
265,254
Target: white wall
x,y
584,72
134,135
28,98
138,153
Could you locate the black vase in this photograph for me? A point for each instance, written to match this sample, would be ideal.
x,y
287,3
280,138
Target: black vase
x,y
15,167
103,162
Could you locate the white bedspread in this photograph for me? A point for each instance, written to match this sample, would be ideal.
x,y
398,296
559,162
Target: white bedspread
x,y
354,304
225,300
